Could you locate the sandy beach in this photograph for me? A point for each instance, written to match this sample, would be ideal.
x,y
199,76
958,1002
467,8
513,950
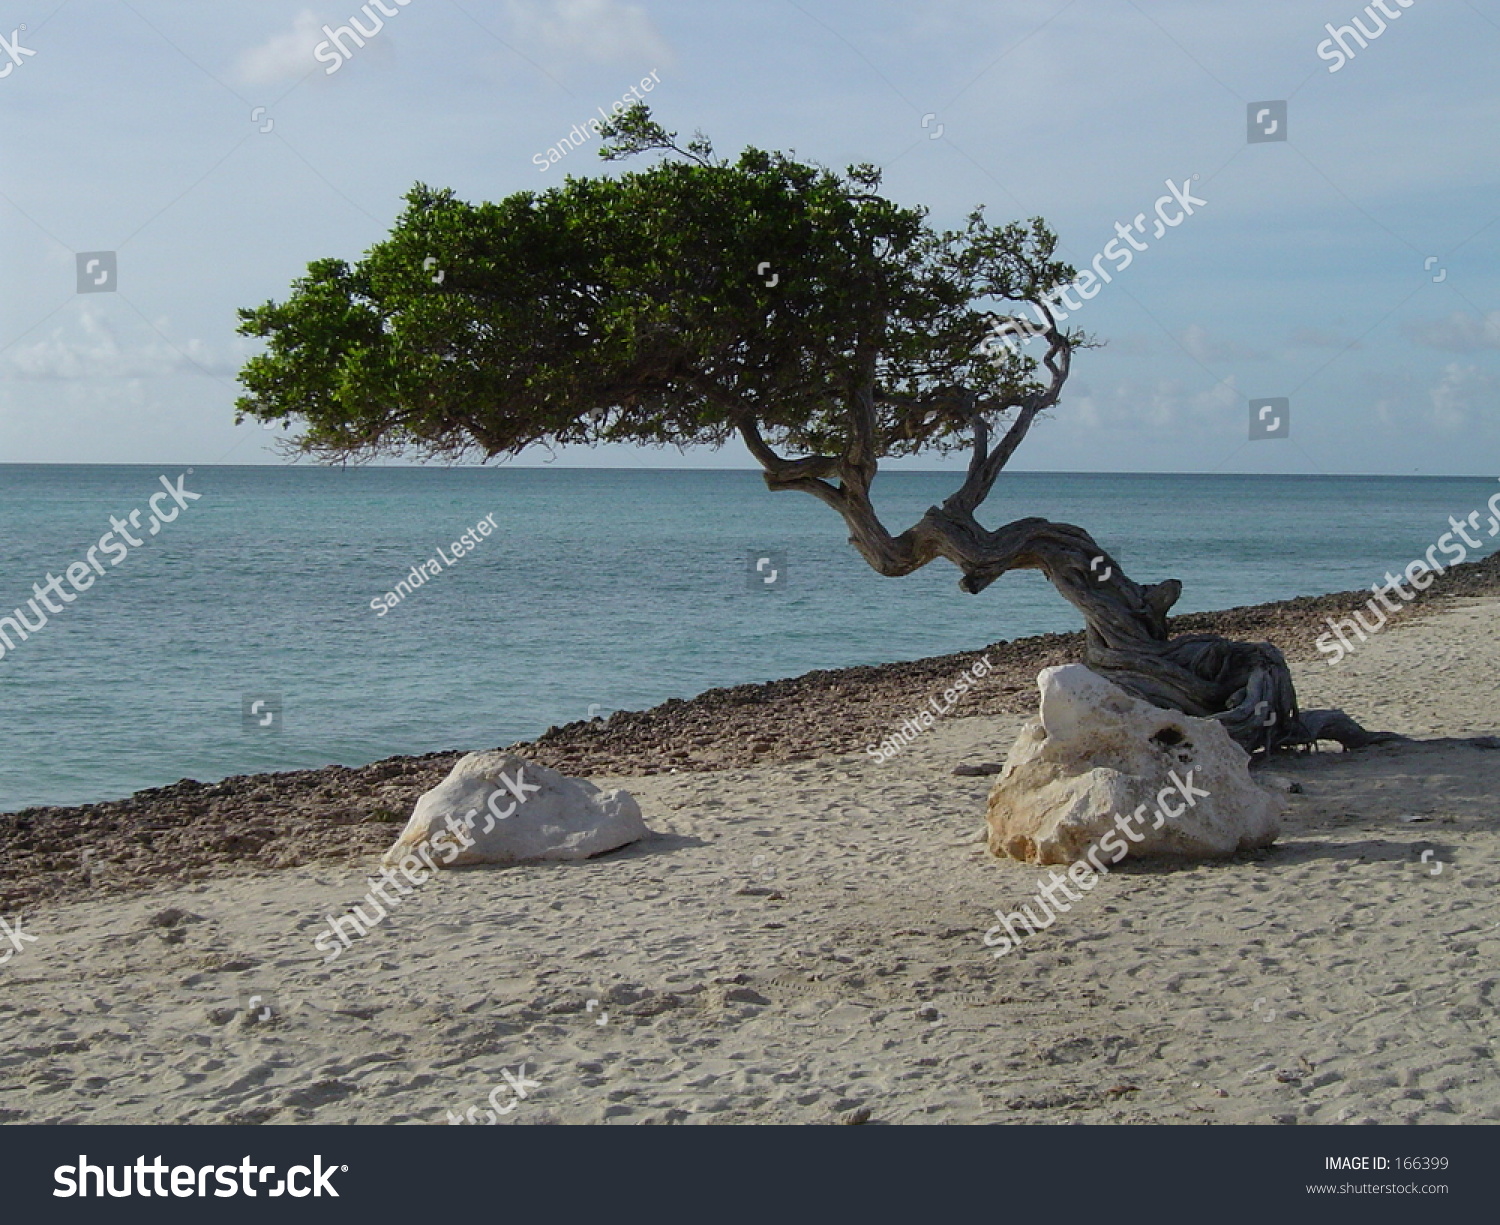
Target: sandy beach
x,y
490,637
801,942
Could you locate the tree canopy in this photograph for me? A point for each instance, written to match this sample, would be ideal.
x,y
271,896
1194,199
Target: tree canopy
x,y
686,303
765,298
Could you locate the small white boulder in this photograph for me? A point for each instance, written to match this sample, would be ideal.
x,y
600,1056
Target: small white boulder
x,y
499,808
1097,754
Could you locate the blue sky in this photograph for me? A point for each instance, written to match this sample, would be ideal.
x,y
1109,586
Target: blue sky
x,y
133,128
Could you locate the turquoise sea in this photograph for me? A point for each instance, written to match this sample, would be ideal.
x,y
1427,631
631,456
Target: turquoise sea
x,y
600,590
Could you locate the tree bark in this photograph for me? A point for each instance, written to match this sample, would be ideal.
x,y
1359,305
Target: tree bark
x,y
1246,686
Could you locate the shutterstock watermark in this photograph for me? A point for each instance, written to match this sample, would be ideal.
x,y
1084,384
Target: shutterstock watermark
x,y
81,575
331,51
1415,574
1086,877
14,937
519,1083
13,51
1338,52
449,843
925,718
1008,335
189,1181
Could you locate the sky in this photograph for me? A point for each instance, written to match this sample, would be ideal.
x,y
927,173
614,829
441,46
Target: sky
x,y
1345,260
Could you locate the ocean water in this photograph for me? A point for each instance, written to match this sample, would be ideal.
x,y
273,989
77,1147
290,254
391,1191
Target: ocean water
x,y
599,590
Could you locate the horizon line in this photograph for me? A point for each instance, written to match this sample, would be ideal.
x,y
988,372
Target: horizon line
x,y
1456,476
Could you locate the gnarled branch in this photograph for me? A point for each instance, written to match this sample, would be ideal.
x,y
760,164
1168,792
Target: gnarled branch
x,y
1247,686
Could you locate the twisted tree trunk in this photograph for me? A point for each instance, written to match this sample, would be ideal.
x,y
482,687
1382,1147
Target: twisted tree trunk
x,y
1247,686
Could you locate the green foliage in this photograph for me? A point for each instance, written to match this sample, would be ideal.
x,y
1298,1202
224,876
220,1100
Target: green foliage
x,y
631,308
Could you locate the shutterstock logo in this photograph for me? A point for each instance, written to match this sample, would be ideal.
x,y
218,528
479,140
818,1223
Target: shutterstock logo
x,y
13,51
15,937
188,1181
1009,333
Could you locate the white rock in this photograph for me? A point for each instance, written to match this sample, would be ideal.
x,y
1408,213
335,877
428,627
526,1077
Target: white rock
x,y
1097,754
560,818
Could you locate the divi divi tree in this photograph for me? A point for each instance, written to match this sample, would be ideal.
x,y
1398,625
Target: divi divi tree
x,y
765,299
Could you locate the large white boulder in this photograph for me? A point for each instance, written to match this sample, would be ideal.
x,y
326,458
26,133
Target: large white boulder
x,y
1101,770
499,808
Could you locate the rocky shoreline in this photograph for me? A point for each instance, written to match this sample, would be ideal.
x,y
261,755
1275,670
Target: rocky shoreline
x,y
195,831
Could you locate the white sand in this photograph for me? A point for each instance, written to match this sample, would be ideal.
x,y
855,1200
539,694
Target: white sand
x,y
1334,978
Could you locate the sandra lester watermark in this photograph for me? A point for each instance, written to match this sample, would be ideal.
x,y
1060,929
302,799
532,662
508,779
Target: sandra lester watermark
x,y
579,134
921,720
432,567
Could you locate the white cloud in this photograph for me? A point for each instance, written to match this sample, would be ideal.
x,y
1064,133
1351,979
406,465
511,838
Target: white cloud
x,y
1155,405
1323,338
1393,393
1461,392
1206,348
282,57
1460,332
99,354
601,31
1130,344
